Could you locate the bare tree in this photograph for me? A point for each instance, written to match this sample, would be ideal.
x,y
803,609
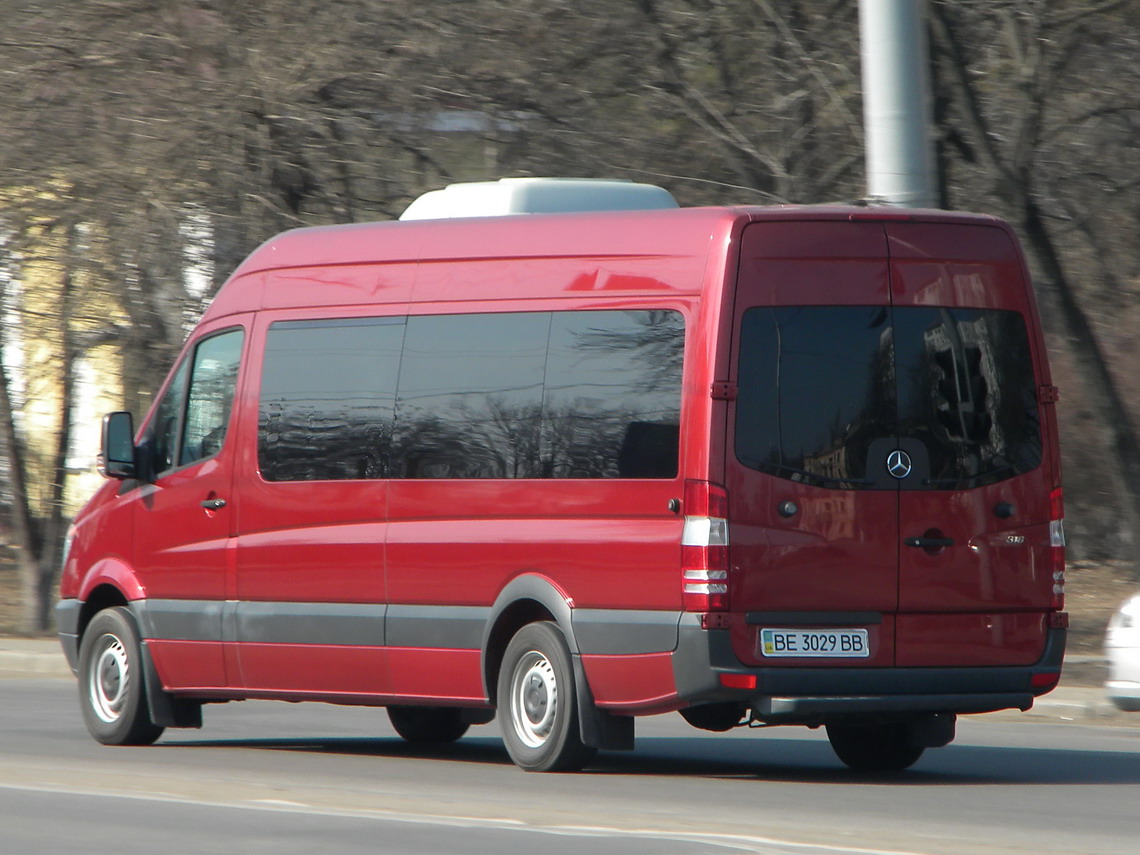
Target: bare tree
x,y
1029,93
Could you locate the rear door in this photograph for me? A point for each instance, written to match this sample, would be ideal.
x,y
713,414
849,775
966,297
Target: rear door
x,y
813,513
975,577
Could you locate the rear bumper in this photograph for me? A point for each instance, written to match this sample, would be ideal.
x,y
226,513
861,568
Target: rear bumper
x,y
813,695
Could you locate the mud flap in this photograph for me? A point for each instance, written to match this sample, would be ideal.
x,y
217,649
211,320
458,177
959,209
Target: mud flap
x,y
167,710
599,729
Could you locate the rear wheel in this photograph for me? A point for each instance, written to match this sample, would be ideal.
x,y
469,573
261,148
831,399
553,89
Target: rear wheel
x,y
112,692
538,707
428,725
877,747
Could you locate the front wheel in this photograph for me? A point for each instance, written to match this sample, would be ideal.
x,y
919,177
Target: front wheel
x,y
878,747
538,708
428,725
112,693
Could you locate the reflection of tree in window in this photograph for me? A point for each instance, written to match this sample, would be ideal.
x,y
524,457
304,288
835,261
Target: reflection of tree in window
x,y
210,396
815,389
970,397
613,390
164,429
328,392
470,396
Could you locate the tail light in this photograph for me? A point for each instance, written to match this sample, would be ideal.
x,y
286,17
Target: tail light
x,y
704,548
1057,545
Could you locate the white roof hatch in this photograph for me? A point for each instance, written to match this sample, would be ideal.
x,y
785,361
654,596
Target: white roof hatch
x,y
537,196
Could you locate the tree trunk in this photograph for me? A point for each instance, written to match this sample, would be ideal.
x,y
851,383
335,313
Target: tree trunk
x,y
20,518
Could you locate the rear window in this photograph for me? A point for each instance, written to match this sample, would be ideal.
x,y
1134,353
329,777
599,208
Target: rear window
x,y
821,388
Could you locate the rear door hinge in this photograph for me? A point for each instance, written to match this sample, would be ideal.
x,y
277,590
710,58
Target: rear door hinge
x,y
1048,394
723,390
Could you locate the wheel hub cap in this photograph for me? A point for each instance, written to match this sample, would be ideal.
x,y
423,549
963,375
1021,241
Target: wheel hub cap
x,y
110,676
534,700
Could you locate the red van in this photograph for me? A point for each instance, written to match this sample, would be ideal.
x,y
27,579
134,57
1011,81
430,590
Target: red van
x,y
761,466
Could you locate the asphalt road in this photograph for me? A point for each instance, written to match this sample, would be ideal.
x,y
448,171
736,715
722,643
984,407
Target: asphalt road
x,y
282,779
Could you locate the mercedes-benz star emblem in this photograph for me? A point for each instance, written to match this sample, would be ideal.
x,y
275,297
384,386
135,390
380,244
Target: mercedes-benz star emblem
x,y
898,463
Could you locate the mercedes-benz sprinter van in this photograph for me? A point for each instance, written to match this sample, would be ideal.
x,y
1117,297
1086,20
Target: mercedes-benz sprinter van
x,y
760,466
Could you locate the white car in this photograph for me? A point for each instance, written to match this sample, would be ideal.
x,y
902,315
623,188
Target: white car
x,y
1122,646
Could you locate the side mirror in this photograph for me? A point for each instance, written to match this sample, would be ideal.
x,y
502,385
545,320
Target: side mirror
x,y
117,454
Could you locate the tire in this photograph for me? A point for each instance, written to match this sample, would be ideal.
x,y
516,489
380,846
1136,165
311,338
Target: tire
x,y
112,690
880,747
538,708
428,725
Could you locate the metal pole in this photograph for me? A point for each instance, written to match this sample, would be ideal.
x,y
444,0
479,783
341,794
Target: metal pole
x,y
896,103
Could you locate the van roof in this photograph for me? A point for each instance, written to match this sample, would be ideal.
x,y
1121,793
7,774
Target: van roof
x,y
664,232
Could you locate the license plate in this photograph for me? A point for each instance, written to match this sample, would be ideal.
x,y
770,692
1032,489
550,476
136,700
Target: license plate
x,y
819,643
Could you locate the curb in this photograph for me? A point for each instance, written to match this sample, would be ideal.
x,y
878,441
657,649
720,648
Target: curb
x,y
32,658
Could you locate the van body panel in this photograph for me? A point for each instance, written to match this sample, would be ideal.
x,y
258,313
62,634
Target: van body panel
x,y
189,666
436,556
998,638
438,675
371,284
642,683
311,671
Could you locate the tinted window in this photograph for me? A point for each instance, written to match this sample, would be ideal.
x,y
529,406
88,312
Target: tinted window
x,y
167,418
506,395
613,394
211,396
825,392
966,389
470,396
191,420
328,398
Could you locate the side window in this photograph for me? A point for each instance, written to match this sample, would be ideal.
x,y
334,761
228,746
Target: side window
x,y
168,420
191,419
613,394
328,394
470,396
210,396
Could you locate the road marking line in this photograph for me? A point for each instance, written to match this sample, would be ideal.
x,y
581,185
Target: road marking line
x,y
743,842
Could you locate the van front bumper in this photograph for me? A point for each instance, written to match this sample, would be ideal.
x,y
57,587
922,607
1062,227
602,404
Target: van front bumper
x,y
797,695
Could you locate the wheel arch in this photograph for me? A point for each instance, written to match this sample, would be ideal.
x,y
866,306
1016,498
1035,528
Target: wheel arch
x,y
109,582
526,599
530,598
102,596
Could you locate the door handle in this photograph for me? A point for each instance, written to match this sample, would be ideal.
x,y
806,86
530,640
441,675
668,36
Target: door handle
x,y
929,542
213,504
